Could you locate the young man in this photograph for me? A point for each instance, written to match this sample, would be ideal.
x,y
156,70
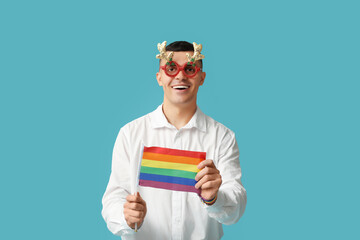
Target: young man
x,y
179,124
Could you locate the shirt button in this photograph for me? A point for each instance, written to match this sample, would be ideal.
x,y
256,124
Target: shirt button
x,y
177,219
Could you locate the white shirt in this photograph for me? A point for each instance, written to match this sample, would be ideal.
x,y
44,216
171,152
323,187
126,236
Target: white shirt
x,y
173,214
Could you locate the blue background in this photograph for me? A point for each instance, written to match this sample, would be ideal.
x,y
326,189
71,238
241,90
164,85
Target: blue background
x,y
283,75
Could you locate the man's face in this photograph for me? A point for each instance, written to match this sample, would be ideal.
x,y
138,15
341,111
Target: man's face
x,y
180,89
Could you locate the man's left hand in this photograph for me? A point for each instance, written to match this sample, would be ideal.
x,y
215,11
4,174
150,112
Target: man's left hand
x,y
209,179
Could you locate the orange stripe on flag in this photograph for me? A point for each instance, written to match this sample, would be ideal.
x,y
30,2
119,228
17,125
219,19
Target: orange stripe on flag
x,y
171,158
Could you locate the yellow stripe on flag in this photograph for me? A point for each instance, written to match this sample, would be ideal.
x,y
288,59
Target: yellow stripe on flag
x,y
169,165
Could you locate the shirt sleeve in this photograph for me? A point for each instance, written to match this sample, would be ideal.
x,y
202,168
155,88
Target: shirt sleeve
x,y
231,199
118,187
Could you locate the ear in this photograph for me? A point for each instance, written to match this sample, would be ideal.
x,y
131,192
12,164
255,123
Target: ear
x,y
158,78
203,75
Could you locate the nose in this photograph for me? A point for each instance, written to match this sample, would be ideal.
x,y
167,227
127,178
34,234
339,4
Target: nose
x,y
181,75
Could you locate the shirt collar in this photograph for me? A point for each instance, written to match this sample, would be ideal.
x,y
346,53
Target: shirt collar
x,y
158,120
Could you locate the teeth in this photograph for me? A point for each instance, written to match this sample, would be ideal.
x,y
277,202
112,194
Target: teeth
x,y
180,87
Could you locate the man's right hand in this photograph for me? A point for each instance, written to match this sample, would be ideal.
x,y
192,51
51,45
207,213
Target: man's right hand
x,y
134,210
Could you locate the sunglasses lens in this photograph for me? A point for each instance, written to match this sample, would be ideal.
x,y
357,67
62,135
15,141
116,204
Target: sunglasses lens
x,y
171,70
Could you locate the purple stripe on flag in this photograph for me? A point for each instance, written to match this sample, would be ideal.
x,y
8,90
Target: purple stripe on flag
x,y
169,186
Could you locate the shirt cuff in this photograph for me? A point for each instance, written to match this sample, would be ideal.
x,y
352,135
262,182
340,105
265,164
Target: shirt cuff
x,y
120,227
217,205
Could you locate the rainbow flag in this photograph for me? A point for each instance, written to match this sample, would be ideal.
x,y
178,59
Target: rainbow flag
x,y
170,169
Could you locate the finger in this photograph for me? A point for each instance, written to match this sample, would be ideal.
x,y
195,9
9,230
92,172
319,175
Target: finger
x,y
134,206
207,162
205,179
133,213
211,184
130,198
206,171
141,200
133,220
134,198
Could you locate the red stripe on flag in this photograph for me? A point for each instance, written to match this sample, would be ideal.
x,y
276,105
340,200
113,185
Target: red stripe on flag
x,y
176,152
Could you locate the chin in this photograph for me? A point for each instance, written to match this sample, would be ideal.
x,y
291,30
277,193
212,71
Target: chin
x,y
183,102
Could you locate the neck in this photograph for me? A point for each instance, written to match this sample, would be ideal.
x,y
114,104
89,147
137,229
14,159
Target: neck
x,y
179,115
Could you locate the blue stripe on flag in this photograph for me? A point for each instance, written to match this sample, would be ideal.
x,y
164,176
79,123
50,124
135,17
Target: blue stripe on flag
x,y
168,179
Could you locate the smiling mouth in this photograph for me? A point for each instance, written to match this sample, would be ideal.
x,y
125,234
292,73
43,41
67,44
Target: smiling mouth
x,y
180,87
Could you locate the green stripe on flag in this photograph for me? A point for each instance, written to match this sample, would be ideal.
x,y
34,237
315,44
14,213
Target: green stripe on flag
x,y
168,172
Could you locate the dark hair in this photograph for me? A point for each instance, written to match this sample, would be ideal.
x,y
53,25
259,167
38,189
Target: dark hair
x,y
181,46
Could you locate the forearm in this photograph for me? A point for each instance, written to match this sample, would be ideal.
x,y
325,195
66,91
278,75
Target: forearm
x,y
231,197
119,187
229,205
113,210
